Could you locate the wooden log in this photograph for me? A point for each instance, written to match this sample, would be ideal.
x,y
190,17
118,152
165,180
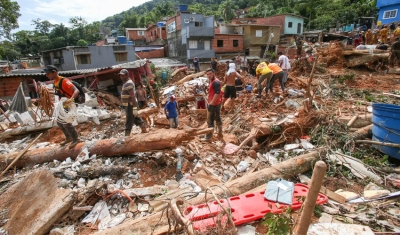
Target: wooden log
x,y
20,155
361,121
353,61
378,143
160,139
362,133
352,120
148,111
286,169
182,99
190,77
179,70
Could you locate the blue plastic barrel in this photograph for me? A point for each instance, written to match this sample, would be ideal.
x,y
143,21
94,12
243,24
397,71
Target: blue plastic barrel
x,y
183,7
164,75
386,127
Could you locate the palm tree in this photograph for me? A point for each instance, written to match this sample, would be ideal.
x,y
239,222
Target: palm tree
x,y
227,10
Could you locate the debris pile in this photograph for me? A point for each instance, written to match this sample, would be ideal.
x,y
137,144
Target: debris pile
x,y
150,182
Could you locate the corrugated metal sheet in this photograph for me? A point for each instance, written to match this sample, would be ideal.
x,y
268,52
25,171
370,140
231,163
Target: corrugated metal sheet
x,y
27,72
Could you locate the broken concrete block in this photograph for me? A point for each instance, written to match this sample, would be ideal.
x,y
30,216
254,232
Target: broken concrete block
x,y
27,118
35,204
70,174
143,207
246,230
372,194
348,195
69,230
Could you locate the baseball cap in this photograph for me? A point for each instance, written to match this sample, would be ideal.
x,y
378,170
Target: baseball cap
x,y
172,97
124,72
50,68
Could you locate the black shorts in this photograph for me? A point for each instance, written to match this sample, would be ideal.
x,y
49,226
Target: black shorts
x,y
230,92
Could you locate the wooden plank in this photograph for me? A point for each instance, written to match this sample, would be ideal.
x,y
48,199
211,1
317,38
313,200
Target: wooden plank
x,y
330,194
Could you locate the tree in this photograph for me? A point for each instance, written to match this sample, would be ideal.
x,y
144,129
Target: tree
x,y
81,43
43,27
78,23
227,10
9,13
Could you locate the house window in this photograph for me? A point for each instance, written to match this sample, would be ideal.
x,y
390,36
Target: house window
x,y
235,43
121,57
140,33
198,24
83,59
259,33
220,43
390,14
171,27
192,44
290,24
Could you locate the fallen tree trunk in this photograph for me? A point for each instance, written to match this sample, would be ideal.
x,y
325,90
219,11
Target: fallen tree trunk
x,y
352,61
190,77
182,99
178,70
286,169
362,133
148,111
362,52
361,121
161,139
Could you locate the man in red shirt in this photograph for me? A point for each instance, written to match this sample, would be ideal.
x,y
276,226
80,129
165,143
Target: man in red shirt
x,y
214,103
66,89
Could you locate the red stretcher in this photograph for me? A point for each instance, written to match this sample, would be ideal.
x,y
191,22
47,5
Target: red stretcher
x,y
245,208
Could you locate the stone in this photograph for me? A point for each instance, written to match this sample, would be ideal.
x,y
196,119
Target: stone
x,y
69,174
252,154
372,194
143,207
348,195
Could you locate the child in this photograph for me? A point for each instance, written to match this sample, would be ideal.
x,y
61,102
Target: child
x,y
171,112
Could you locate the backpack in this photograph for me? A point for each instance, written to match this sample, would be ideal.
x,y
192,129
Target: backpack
x,y
80,99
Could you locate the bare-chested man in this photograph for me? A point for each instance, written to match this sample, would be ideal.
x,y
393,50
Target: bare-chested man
x,y
229,81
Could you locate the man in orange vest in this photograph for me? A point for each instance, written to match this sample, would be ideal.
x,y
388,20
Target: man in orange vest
x,y
214,103
66,89
277,73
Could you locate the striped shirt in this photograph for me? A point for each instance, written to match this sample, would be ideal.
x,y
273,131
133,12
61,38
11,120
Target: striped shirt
x,y
125,94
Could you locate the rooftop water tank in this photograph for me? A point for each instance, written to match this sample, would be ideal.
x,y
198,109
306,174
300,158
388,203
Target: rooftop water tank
x,y
121,39
183,7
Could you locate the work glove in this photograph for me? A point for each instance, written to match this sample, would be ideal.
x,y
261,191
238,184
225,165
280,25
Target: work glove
x,y
135,111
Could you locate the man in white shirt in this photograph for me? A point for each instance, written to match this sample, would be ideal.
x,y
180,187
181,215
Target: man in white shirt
x,y
285,65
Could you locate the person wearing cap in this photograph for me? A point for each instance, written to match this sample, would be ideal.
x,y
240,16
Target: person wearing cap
x,y
128,100
171,111
262,73
284,63
277,73
395,52
155,92
229,81
68,90
214,103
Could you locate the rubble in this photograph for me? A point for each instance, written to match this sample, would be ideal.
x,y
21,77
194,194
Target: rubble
x,y
124,185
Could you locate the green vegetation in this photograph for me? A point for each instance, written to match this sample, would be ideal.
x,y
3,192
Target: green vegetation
x,y
281,223
319,14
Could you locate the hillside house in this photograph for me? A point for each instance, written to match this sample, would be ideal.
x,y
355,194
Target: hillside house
x,y
388,11
136,35
189,36
75,58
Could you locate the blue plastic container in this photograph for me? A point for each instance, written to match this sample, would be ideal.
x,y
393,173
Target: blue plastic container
x,y
129,43
183,7
121,39
386,127
164,75
249,88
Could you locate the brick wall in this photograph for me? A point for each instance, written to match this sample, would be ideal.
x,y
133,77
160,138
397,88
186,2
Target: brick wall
x,y
151,54
272,20
133,35
227,43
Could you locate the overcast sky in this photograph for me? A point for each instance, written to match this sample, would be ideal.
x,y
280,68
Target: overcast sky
x,y
59,11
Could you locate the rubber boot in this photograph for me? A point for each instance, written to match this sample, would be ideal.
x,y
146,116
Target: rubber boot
x,y
219,128
127,133
73,144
